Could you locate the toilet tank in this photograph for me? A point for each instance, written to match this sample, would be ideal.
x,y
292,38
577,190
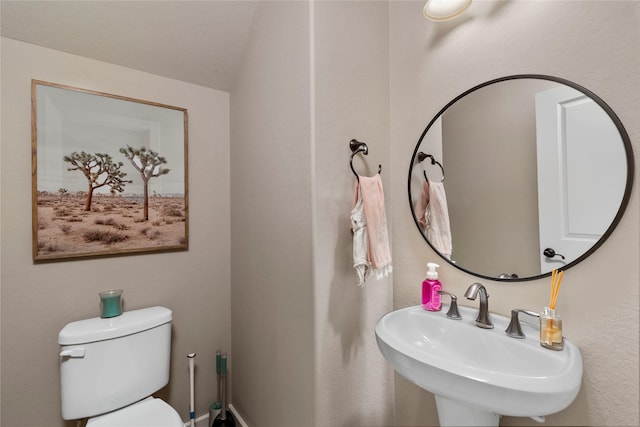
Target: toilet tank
x,y
106,364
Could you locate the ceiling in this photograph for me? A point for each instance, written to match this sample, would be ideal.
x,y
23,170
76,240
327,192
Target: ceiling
x,y
200,42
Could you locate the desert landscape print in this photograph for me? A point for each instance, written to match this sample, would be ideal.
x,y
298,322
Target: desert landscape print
x,y
114,224
109,174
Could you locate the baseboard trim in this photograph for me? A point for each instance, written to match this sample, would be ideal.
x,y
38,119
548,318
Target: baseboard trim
x,y
238,417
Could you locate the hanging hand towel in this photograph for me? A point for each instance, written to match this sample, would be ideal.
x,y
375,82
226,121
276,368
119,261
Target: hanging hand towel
x,y
379,249
360,238
438,229
420,209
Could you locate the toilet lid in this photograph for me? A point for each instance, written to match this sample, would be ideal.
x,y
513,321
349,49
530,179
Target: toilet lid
x,y
150,412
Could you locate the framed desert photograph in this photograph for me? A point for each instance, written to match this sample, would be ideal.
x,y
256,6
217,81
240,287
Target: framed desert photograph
x,y
109,174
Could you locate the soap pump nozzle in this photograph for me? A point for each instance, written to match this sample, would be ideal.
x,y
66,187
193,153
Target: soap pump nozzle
x,y
432,274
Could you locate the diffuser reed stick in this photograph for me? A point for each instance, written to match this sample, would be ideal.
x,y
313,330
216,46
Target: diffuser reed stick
x,y
556,282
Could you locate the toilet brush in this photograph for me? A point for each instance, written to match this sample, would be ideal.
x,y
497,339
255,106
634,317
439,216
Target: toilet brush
x,y
218,374
224,419
192,412
214,408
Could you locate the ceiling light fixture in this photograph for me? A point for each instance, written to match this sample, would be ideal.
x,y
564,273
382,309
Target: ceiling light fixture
x,y
443,10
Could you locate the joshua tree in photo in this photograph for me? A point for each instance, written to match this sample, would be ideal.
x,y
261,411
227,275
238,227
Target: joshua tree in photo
x,y
149,164
62,192
100,170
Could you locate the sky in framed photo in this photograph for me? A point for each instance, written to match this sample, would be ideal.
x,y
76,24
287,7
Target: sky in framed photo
x,y
73,121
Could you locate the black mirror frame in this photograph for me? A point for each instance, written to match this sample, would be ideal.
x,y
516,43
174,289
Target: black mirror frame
x,y
627,148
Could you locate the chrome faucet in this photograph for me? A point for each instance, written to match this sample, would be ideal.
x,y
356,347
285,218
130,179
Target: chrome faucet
x,y
483,320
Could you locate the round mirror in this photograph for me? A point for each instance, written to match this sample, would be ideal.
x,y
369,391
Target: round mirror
x,y
519,176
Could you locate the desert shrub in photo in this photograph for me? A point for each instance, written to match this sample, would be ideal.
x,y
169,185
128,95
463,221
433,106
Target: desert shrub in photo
x,y
172,209
110,222
150,233
52,247
48,247
65,228
105,236
42,224
62,211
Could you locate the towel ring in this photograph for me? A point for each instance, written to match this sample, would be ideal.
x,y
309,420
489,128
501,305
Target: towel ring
x,y
422,156
359,147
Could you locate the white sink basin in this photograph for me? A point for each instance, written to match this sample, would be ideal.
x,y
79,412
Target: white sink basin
x,y
482,370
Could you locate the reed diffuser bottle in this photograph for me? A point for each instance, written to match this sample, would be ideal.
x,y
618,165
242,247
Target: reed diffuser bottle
x,y
550,322
551,330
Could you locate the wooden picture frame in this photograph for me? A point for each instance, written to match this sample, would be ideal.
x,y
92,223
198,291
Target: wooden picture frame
x,y
109,174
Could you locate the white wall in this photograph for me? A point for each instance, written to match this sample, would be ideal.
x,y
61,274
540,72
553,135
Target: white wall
x,y
595,44
38,300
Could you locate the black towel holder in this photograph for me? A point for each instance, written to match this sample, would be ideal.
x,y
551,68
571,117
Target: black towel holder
x,y
359,147
422,156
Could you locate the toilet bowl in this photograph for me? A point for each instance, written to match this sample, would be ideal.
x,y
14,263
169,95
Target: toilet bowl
x,y
150,412
110,367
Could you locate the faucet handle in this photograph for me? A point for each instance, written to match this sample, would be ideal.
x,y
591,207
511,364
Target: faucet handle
x,y
514,329
453,312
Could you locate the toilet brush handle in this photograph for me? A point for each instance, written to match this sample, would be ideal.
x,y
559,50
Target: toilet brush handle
x,y
218,367
192,412
223,414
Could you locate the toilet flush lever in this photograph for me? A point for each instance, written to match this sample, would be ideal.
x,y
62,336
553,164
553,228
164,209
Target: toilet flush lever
x,y
73,352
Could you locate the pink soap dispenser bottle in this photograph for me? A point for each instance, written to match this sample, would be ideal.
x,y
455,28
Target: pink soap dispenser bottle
x,y
431,300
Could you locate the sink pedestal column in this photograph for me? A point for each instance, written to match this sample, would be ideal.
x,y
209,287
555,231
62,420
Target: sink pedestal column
x,y
452,413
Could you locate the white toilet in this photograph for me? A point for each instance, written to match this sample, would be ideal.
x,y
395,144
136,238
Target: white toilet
x,y
110,367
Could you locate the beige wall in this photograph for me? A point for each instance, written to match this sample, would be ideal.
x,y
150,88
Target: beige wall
x,y
594,43
271,251
302,330
354,384
38,300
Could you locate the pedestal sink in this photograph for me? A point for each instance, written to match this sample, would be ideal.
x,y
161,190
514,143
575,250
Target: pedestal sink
x,y
478,374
